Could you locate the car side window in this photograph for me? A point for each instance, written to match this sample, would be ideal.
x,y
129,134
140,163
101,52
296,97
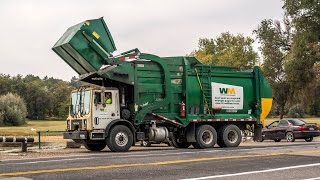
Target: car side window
x,y
274,124
283,123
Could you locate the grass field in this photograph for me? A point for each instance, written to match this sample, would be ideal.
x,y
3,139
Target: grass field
x,y
35,125
54,125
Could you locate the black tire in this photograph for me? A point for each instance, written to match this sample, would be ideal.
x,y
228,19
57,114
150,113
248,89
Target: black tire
x,y
120,138
206,137
94,146
261,140
309,139
290,137
229,136
277,140
179,142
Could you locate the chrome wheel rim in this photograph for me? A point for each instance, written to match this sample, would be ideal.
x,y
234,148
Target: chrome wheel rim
x,y
233,136
207,137
121,139
289,137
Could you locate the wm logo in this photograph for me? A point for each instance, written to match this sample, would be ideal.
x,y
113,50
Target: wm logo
x,y
227,91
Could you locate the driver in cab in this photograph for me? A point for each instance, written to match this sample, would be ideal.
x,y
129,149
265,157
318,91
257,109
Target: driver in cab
x,y
108,98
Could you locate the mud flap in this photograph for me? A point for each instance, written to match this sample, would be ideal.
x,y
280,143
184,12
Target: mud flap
x,y
191,133
257,132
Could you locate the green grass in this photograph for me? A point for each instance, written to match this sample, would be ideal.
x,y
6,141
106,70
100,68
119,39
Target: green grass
x,y
38,125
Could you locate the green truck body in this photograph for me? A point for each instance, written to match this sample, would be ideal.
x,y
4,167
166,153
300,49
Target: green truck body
x,y
179,93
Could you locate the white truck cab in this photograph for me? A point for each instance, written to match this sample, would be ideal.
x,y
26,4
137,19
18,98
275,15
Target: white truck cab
x,y
90,113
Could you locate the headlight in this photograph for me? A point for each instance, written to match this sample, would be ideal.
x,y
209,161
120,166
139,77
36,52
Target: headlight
x,y
85,124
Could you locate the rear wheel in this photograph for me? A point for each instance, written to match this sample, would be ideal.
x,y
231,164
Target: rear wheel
x,y
229,136
309,139
94,146
120,138
290,137
206,137
179,143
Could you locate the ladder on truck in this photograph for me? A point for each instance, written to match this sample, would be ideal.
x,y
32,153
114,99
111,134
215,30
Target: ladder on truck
x,y
204,79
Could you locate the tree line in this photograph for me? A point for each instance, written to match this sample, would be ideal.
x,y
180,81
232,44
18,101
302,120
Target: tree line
x,y
289,51
43,98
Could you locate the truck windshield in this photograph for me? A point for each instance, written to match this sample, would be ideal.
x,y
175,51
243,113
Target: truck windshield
x,y
80,102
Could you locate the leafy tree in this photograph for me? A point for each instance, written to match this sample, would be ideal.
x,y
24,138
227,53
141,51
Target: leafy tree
x,y
227,50
303,67
275,45
47,97
13,110
296,111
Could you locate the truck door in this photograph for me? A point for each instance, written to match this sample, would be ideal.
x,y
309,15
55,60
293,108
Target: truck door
x,y
104,111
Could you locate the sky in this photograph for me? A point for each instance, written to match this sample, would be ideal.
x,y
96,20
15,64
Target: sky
x,y
30,28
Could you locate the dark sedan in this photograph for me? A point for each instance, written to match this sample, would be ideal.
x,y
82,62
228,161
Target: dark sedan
x,y
290,129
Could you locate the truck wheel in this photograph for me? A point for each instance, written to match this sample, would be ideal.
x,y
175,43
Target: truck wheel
x,y
120,138
229,136
179,143
94,146
206,137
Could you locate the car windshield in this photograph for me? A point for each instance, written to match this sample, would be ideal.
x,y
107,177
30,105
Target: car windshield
x,y
274,124
297,122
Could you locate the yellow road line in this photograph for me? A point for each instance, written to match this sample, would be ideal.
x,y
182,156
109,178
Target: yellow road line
x,y
152,163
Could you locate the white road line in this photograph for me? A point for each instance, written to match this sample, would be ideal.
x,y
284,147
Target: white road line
x,y
103,153
140,154
253,172
134,155
171,150
316,178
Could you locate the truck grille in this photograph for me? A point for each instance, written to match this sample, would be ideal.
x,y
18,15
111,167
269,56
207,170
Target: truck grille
x,y
76,124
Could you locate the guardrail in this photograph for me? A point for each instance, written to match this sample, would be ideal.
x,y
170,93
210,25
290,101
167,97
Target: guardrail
x,y
23,140
48,133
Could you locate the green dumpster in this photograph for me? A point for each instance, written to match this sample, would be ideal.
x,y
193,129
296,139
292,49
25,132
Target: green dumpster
x,y
85,46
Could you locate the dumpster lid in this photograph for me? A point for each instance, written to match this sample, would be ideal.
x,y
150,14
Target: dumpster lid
x,y
95,29
86,45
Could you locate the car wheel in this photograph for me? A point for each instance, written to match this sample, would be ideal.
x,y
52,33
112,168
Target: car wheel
x,y
120,138
206,137
229,136
290,137
277,140
309,139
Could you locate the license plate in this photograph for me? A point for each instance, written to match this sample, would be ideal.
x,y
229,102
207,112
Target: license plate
x,y
311,129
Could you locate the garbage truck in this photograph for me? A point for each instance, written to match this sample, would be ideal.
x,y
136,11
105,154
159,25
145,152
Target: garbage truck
x,y
156,99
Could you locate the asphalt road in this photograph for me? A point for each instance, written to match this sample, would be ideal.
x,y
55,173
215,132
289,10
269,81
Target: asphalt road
x,y
297,160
